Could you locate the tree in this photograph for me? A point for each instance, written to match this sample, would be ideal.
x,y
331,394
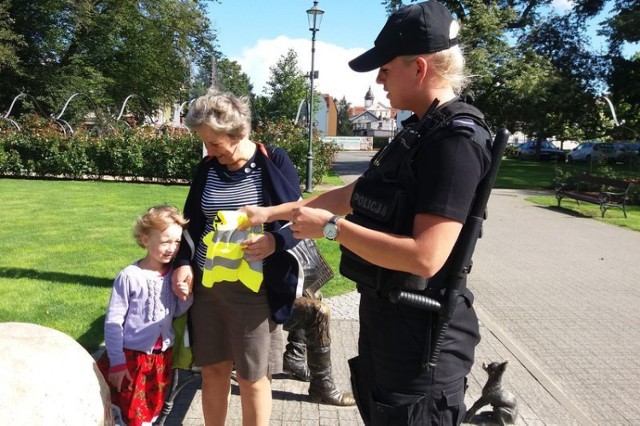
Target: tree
x,y
570,103
532,70
106,49
489,58
345,127
229,77
9,40
624,76
232,79
623,25
526,12
624,81
286,89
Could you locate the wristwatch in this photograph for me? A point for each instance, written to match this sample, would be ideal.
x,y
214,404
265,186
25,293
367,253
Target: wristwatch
x,y
330,229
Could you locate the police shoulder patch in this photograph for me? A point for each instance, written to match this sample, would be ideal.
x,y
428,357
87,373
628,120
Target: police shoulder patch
x,y
463,125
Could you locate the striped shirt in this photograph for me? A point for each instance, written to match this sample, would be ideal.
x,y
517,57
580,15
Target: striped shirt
x,y
241,187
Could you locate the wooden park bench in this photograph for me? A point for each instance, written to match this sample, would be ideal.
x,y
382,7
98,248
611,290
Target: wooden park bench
x,y
606,192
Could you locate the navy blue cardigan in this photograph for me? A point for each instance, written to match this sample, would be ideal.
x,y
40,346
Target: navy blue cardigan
x,y
280,184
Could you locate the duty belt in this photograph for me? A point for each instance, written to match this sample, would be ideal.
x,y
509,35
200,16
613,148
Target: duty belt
x,y
412,286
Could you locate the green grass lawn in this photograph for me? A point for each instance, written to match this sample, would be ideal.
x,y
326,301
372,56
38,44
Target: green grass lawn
x,y
63,242
515,174
612,216
62,245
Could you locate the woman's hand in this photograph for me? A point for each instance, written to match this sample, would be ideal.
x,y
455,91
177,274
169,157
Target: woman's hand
x,y
182,281
259,246
308,222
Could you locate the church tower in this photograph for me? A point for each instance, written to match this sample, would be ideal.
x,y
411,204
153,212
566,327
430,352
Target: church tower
x,y
368,98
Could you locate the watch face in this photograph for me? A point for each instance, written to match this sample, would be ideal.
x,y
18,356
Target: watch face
x,y
330,231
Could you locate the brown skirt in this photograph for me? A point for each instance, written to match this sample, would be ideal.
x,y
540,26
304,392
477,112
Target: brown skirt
x,y
232,323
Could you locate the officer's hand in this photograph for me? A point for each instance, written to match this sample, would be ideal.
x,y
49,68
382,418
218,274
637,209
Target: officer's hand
x,y
255,215
308,222
259,246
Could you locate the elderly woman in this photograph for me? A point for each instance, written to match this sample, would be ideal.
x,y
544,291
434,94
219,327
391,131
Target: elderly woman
x,y
232,324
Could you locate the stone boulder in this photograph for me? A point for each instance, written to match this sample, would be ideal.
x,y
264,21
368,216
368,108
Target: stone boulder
x,y
47,378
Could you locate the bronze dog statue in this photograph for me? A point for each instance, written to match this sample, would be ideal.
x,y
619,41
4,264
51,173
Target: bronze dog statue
x,y
505,406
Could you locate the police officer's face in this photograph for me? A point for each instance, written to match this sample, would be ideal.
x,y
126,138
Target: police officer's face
x,y
398,79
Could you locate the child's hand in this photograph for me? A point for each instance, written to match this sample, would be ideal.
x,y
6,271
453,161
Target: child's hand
x,y
117,378
182,275
183,290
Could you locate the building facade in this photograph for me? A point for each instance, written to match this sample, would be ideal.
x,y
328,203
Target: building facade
x,y
373,119
327,116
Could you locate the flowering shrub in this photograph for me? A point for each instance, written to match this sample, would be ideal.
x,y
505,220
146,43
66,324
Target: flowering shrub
x,y
137,155
41,150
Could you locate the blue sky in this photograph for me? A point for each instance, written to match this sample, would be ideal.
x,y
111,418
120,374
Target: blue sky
x,y
256,33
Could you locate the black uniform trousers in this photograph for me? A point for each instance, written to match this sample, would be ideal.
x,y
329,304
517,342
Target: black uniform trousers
x,y
390,385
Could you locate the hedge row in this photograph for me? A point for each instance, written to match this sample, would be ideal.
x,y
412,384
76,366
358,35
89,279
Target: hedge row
x,y
131,155
137,155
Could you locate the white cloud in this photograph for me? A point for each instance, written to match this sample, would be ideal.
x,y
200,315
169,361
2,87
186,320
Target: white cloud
x,y
335,77
563,5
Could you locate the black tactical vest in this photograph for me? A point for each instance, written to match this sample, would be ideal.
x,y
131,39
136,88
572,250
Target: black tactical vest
x,y
384,196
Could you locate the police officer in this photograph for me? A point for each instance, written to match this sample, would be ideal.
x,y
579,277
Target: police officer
x,y
403,218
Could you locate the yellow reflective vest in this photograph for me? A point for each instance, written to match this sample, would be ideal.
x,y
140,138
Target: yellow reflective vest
x,y
225,255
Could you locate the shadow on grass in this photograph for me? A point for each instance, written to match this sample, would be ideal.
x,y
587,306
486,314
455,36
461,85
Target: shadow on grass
x,y
93,336
60,277
566,211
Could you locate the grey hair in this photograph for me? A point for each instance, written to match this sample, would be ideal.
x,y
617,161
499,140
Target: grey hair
x,y
223,112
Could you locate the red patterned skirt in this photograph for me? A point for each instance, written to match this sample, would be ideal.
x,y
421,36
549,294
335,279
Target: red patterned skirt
x,y
141,399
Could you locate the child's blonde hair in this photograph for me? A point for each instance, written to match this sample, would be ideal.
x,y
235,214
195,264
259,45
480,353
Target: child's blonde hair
x,y
159,218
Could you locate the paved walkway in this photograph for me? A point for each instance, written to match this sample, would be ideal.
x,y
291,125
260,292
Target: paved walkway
x,y
557,295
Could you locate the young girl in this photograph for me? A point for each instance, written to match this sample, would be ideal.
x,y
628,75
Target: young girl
x,y
138,325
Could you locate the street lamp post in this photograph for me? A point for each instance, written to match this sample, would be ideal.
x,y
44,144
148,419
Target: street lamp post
x,y
315,18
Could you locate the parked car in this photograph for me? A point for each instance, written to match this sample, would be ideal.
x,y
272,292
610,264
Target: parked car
x,y
548,151
626,151
593,151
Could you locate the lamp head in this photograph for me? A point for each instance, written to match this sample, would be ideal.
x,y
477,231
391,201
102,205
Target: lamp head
x,y
315,17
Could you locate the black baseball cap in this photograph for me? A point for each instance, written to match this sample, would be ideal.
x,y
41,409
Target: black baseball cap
x,y
412,30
